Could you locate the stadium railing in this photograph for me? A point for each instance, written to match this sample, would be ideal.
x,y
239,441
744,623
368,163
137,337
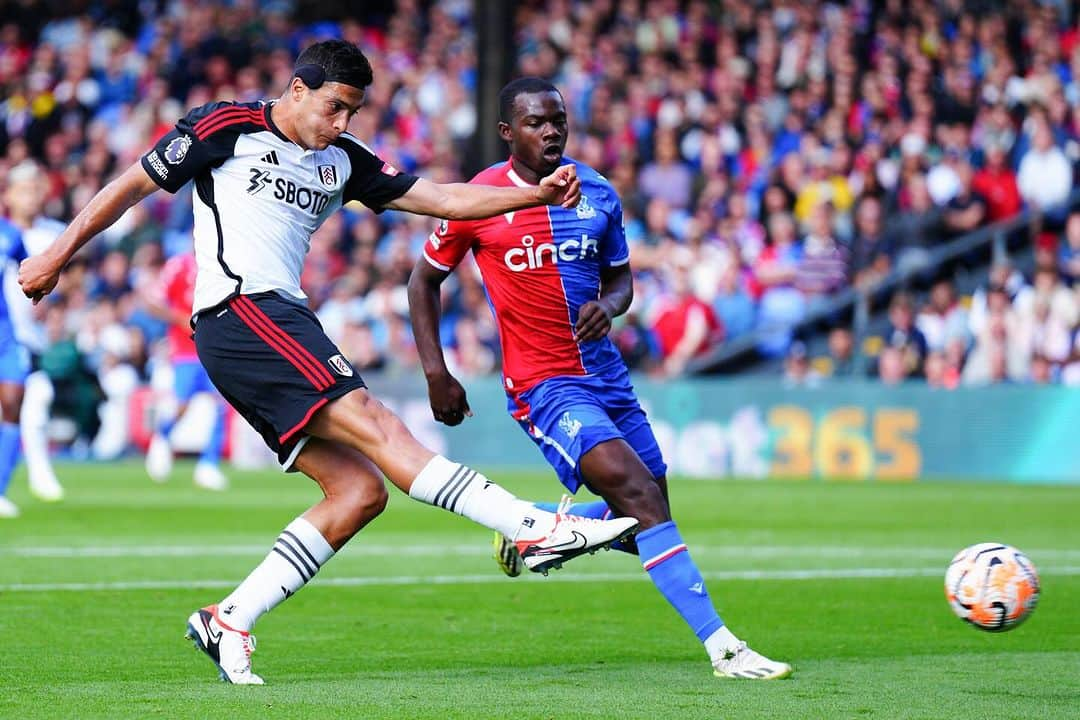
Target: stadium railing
x,y
858,300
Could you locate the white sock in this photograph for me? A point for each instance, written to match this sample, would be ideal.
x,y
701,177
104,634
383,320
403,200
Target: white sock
x,y
462,490
38,395
297,555
718,644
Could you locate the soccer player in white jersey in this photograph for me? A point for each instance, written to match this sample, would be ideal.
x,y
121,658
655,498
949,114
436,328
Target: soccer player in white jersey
x,y
24,200
266,176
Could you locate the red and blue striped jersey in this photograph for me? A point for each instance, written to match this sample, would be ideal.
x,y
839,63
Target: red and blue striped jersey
x,y
539,267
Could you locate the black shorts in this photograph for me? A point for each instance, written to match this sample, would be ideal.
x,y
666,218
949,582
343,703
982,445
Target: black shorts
x,y
271,360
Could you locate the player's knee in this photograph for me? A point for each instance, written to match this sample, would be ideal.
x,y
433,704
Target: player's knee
x,y
364,502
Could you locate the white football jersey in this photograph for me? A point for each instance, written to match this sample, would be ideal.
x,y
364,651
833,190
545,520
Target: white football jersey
x,y
259,196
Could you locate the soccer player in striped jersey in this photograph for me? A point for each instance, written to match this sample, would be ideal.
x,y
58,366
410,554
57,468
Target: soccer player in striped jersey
x,y
266,176
555,277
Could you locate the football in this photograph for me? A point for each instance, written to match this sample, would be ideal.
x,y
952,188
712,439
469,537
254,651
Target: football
x,y
993,586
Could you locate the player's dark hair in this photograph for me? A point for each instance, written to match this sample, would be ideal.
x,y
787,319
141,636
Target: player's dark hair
x,y
521,86
334,61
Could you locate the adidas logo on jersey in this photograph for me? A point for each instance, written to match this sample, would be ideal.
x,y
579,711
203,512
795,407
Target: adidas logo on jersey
x,y
270,158
531,256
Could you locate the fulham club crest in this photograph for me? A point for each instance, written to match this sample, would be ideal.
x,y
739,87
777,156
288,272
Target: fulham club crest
x,y
341,366
328,175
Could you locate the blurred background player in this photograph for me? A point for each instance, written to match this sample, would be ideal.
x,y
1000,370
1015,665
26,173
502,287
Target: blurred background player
x,y
31,396
567,385
173,304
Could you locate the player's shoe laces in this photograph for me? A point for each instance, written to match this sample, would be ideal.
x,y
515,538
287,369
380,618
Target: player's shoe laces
x,y
543,549
743,663
159,458
8,509
209,476
229,649
507,556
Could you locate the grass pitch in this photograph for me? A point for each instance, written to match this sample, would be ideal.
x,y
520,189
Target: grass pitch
x,y
413,620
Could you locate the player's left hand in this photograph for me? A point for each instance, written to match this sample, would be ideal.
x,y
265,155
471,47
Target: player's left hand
x,y
562,187
593,323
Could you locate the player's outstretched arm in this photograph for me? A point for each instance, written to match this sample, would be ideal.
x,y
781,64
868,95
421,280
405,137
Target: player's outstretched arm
x,y
449,404
465,201
39,274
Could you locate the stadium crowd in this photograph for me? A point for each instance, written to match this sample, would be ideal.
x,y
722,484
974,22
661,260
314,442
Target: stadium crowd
x,y
768,155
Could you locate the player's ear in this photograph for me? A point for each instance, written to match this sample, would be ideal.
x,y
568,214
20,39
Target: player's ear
x,y
297,88
504,131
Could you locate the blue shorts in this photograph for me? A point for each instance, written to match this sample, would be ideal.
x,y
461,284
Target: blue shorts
x,y
190,378
567,416
14,362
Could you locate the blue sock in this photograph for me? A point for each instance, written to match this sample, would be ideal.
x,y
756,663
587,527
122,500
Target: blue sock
x,y
212,452
593,510
597,510
9,453
665,558
165,426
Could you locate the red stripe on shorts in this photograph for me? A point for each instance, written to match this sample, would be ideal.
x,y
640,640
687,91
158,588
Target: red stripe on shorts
x,y
301,351
245,315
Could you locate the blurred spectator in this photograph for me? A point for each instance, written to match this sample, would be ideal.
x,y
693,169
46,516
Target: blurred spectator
x,y
842,353
998,353
823,269
996,182
1045,176
966,210
1042,371
733,306
781,305
684,326
797,370
903,336
667,177
872,248
943,318
892,366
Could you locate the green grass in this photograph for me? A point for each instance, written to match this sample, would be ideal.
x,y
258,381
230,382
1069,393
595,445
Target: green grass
x,y
413,620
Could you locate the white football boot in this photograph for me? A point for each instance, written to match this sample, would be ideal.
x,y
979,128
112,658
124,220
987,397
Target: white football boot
x,y
567,536
229,649
209,476
8,509
45,487
745,664
159,458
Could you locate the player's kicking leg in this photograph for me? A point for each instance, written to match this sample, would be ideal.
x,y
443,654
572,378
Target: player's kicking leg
x,y
545,540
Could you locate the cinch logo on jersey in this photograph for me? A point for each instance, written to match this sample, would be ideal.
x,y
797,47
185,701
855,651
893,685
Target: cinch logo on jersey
x,y
531,256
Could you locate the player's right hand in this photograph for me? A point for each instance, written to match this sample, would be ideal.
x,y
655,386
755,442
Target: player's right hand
x,y
448,402
38,276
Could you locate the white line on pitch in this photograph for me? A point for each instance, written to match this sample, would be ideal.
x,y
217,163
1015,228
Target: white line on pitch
x,y
489,578
481,549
